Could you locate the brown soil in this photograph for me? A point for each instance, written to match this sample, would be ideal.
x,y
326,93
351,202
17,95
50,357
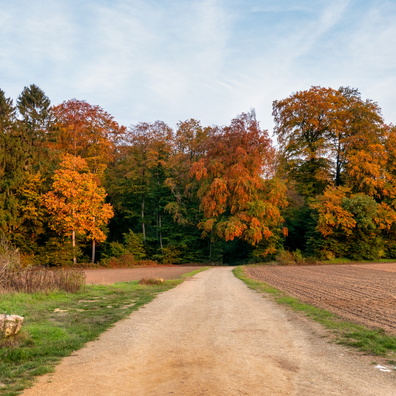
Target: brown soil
x,y
108,276
212,335
363,293
390,267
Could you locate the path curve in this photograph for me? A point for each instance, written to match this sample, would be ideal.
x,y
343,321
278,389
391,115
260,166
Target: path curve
x,y
212,335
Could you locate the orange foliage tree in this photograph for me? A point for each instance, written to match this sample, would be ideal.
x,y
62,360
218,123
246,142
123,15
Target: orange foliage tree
x,y
87,131
76,203
325,135
353,225
189,146
336,150
239,197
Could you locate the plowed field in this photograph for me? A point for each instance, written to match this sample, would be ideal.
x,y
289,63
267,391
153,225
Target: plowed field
x,y
364,294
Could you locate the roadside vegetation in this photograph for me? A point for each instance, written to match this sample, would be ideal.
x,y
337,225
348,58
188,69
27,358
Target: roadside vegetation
x,y
369,341
58,323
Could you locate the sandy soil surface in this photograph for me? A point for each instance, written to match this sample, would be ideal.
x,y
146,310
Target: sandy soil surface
x,y
390,267
108,276
212,335
364,293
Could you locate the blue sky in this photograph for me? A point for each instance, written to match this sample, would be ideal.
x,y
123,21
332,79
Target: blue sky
x,y
170,60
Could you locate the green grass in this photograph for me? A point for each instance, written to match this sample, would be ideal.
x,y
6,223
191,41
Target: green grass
x,y
370,341
349,261
58,323
194,272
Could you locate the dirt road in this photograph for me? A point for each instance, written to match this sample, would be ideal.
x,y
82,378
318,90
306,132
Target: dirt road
x,y
213,336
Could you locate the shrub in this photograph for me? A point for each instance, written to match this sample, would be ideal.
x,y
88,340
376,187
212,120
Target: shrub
x,y
285,257
124,255
134,244
169,255
9,255
151,281
298,257
122,261
146,263
57,252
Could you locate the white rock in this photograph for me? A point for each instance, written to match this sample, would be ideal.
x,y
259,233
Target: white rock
x,y
10,324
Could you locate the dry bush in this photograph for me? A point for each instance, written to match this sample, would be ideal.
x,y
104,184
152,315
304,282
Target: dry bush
x,y
32,280
16,278
9,256
151,281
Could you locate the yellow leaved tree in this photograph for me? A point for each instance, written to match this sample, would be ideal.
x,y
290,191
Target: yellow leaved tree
x,y
76,203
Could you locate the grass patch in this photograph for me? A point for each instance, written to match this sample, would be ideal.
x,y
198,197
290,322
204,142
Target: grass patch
x,y
194,272
253,284
370,341
58,323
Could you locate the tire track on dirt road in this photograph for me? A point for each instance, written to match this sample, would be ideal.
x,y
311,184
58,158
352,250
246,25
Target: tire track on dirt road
x,y
212,335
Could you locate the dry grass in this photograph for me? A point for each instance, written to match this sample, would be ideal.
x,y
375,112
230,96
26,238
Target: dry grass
x,y
32,280
151,281
14,278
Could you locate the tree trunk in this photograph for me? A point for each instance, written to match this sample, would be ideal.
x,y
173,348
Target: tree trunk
x,y
160,231
143,224
74,246
93,251
338,165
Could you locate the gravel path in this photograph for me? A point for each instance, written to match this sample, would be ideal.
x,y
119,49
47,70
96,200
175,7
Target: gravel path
x,y
211,335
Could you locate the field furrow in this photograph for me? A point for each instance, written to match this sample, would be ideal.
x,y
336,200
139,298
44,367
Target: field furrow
x,y
365,294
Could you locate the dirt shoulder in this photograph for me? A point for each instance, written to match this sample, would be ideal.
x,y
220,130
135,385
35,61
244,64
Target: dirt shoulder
x,y
212,335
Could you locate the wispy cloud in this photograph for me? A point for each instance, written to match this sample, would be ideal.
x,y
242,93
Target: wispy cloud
x,y
143,60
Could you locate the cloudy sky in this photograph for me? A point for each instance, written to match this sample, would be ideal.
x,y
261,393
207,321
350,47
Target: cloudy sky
x,y
170,60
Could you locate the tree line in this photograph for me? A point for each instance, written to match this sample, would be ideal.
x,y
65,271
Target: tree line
x,y
77,186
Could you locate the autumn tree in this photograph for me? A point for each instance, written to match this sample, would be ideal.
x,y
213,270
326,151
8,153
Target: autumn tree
x,y
303,125
86,131
330,138
324,134
190,145
353,225
76,203
239,197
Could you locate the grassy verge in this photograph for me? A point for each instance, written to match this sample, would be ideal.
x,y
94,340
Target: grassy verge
x,y
194,272
349,261
370,341
58,323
